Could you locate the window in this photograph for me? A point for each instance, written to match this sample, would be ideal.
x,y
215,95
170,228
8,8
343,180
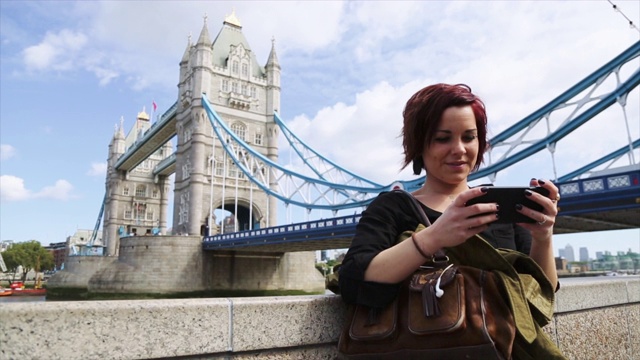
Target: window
x,y
234,87
234,67
253,92
141,190
244,90
239,130
225,85
125,191
150,215
127,214
219,170
154,194
258,139
245,70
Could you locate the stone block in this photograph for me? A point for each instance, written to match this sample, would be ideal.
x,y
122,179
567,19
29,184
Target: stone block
x,y
592,334
265,323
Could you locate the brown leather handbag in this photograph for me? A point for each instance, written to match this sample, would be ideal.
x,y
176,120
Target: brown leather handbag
x,y
443,311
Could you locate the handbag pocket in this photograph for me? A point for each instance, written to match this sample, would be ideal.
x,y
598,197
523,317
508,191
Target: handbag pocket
x,y
429,314
374,324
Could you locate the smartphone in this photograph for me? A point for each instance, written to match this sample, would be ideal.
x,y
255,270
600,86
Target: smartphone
x,y
507,198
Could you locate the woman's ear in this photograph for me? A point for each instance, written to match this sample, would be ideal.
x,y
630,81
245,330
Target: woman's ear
x,y
418,165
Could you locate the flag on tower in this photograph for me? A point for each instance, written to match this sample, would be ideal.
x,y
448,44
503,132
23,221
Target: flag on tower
x,y
155,106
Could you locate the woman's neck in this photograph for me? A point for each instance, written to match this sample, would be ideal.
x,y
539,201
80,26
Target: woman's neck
x,y
439,197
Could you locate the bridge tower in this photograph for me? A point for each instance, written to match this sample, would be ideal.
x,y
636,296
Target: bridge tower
x,y
136,201
244,94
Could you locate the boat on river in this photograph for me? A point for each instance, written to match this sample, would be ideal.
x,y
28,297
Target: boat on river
x,y
18,289
5,292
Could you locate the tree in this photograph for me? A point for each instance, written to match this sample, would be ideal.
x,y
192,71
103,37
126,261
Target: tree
x,y
30,255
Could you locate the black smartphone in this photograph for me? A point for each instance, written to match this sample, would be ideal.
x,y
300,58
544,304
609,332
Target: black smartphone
x,y
507,198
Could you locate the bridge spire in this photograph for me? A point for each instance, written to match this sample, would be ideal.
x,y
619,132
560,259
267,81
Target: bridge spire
x,y
204,34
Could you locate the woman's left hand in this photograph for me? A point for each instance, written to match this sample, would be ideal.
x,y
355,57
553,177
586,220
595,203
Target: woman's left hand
x,y
545,220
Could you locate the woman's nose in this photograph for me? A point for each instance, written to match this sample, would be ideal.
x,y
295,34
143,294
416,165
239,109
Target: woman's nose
x,y
458,147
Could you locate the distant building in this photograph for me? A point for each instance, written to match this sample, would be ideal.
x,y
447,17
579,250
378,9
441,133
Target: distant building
x,y
599,255
561,254
59,252
5,244
80,243
561,263
584,254
569,254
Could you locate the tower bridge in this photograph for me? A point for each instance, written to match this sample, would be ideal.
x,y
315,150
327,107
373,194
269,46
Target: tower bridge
x,y
225,125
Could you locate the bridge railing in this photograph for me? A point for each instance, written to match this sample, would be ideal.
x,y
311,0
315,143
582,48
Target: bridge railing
x,y
323,229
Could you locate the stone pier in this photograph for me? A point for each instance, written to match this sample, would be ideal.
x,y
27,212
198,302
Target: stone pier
x,y
174,264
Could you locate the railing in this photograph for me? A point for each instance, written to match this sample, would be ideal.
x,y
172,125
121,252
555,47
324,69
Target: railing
x,y
325,229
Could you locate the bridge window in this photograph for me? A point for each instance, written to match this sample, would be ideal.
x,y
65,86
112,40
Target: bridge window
x,y
150,215
253,92
127,214
245,70
258,139
239,130
154,194
125,191
225,85
244,90
141,190
234,87
234,67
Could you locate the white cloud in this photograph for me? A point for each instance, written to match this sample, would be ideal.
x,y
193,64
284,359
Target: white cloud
x,y
56,51
98,169
61,190
6,152
12,188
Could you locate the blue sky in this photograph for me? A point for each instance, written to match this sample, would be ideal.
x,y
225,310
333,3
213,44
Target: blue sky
x,y
70,70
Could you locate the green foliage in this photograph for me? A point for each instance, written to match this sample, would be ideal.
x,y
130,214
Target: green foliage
x,y
30,255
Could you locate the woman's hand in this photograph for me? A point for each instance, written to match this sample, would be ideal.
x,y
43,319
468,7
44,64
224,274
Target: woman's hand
x,y
542,229
459,222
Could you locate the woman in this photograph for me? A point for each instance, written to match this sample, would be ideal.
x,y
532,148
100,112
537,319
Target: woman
x,y
444,133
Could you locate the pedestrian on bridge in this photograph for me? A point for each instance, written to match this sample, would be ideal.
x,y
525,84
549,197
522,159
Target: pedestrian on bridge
x,y
445,134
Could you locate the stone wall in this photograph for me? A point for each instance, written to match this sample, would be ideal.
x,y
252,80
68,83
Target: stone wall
x,y
595,320
79,270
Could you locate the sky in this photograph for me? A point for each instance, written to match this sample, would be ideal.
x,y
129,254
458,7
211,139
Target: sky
x,y
70,70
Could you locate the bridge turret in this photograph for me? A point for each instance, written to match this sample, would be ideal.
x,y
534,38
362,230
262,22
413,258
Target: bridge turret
x,y
117,147
184,91
273,80
202,63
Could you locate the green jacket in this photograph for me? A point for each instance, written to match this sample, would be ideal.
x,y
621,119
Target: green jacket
x,y
529,291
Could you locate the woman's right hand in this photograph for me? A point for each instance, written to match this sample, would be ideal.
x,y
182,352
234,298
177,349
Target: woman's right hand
x,y
459,222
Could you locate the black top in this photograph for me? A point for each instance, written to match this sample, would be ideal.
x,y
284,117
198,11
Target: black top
x,y
382,222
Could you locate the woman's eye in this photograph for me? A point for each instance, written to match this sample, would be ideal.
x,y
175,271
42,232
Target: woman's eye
x,y
441,139
469,138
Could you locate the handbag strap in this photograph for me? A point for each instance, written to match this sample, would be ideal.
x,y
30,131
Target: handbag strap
x,y
439,258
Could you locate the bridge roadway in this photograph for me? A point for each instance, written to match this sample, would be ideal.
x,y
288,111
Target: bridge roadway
x,y
606,202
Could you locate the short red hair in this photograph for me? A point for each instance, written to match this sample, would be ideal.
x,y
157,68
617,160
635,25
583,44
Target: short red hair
x,y
423,112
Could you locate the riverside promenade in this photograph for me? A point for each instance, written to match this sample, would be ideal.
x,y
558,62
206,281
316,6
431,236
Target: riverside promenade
x,y
595,318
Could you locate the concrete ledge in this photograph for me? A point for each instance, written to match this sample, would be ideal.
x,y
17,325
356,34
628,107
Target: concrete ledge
x,y
603,326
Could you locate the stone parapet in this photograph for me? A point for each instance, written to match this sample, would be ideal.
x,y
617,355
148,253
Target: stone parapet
x,y
594,320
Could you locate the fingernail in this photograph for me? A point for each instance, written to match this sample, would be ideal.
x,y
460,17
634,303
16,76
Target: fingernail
x,y
484,189
497,216
541,182
528,192
498,207
533,179
518,206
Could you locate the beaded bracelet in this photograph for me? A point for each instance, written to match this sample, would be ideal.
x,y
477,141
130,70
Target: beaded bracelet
x,y
415,243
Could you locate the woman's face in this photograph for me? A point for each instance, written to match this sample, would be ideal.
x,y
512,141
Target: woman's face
x,y
452,153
